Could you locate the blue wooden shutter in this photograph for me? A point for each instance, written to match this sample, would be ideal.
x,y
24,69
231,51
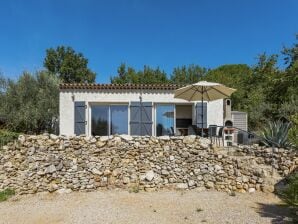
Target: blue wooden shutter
x,y
141,118
80,117
135,116
199,115
146,112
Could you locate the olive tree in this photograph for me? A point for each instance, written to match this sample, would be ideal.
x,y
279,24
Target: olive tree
x,y
30,104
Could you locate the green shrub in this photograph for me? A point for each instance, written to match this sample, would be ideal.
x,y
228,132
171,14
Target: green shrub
x,y
293,132
276,134
290,193
7,193
7,136
134,189
30,104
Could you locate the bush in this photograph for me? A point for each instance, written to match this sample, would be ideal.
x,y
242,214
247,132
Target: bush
x,y
293,132
7,193
276,134
7,136
30,104
290,193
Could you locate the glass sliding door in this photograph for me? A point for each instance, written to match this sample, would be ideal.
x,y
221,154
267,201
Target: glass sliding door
x,y
99,119
165,119
119,119
109,120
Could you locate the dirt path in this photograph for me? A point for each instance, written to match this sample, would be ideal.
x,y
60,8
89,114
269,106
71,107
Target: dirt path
x,y
157,207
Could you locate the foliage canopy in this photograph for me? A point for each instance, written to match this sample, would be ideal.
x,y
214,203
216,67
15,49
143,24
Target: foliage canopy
x,y
69,66
30,104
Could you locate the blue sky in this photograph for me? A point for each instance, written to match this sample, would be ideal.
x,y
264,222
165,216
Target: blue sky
x,y
164,33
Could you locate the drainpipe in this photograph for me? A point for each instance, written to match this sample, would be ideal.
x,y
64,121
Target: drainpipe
x,y
202,115
141,108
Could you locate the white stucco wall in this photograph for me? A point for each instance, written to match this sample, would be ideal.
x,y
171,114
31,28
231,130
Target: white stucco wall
x,y
67,98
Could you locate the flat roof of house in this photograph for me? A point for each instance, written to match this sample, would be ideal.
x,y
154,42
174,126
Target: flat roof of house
x,y
119,86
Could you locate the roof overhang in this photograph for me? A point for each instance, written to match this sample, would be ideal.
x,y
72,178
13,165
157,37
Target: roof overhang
x,y
87,86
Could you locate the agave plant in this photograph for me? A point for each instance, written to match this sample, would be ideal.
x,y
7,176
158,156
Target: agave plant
x,y
276,134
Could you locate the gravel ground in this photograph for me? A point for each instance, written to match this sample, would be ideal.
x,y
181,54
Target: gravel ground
x,y
118,206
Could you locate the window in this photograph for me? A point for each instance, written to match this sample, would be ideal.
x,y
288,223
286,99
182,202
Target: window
x,y
100,117
165,120
109,119
119,119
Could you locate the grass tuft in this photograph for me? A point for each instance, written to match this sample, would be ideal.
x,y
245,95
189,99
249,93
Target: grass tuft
x,y
232,193
5,194
134,189
199,210
7,136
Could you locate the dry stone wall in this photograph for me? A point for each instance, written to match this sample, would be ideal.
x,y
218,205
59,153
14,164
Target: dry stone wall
x,y
50,163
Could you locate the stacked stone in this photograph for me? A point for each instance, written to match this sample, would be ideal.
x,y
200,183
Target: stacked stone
x,y
50,163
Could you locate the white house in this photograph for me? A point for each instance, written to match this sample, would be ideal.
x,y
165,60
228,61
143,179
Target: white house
x,y
134,109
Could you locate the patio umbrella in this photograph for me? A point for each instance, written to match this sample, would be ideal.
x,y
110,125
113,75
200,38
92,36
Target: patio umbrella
x,y
203,90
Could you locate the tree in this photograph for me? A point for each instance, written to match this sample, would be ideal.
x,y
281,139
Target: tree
x,y
3,84
2,97
125,75
234,76
188,74
150,76
289,82
69,66
146,76
291,54
30,104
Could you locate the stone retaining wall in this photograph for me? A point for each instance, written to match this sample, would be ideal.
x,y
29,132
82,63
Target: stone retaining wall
x,y
49,163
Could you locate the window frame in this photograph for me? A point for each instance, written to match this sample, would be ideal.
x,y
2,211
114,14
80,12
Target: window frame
x,y
92,104
155,116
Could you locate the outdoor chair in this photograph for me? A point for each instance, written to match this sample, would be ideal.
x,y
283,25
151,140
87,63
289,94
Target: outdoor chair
x,y
172,133
212,132
191,130
220,136
216,133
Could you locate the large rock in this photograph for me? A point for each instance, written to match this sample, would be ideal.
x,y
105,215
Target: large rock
x,y
189,139
104,138
21,139
165,172
100,144
165,138
205,143
209,184
149,175
127,137
251,190
126,180
245,179
53,137
217,167
50,169
191,183
97,172
182,186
